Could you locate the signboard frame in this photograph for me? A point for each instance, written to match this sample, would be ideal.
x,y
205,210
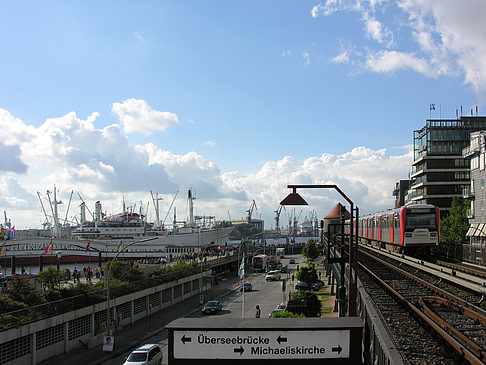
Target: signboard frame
x,y
215,340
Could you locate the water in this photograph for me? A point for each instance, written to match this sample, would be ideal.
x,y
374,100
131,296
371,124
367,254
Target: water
x,y
278,241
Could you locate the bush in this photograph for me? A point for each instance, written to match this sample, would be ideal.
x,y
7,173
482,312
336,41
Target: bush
x,y
312,304
9,305
287,314
20,290
122,271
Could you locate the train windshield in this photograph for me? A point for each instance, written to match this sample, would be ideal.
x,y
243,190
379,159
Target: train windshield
x,y
420,219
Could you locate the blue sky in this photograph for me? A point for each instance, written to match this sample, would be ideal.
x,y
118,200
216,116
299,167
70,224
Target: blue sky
x,y
234,99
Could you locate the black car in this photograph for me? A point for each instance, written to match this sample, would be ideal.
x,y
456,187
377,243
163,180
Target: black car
x,y
302,285
213,306
246,287
292,261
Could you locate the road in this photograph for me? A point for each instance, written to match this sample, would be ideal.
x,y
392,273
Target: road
x,y
267,294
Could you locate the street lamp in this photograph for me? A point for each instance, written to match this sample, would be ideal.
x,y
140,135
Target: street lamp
x,y
58,255
108,319
295,199
201,298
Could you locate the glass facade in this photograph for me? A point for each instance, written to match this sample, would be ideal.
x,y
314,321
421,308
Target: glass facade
x,y
439,170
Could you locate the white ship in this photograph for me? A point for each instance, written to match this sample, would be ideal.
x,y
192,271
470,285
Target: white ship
x,y
106,236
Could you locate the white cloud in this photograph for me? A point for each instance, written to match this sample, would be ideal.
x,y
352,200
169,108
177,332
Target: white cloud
x,y
137,116
448,35
376,30
209,143
139,37
100,164
306,57
389,61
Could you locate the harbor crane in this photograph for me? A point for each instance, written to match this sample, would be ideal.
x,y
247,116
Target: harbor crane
x,y
277,217
250,211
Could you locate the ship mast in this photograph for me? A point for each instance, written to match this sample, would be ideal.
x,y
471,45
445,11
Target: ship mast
x,y
54,204
190,199
156,205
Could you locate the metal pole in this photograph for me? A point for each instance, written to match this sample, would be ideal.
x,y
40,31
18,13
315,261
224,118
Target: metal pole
x,y
108,319
353,264
342,287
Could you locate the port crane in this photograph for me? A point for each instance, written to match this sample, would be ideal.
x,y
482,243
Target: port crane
x,y
250,211
277,217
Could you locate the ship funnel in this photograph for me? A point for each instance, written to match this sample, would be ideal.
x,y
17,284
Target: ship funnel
x,y
98,212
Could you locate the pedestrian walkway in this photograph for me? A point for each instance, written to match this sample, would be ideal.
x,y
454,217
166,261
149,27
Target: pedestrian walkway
x,y
132,335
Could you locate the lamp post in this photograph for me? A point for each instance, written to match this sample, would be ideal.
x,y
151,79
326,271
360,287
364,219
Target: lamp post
x,y
295,199
201,298
58,262
108,319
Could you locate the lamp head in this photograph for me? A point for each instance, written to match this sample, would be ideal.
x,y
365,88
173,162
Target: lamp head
x,y
293,199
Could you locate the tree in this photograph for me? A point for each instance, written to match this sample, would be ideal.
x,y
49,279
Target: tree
x,y
453,228
307,274
312,304
20,290
51,278
123,272
310,250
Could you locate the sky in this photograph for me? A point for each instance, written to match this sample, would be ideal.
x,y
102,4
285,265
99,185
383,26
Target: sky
x,y
110,100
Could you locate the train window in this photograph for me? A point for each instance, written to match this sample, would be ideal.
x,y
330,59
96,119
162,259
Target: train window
x,y
418,219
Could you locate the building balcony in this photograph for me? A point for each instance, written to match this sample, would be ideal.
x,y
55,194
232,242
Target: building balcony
x,y
468,193
470,151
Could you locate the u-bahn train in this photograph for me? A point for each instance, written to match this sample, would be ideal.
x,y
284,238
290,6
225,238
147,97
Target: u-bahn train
x,y
412,229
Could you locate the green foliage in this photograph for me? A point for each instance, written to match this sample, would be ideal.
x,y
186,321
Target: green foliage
x,y
9,305
123,272
453,228
310,250
307,274
287,314
177,270
20,290
51,278
312,303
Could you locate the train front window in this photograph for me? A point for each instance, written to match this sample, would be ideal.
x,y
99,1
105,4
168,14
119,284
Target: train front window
x,y
420,220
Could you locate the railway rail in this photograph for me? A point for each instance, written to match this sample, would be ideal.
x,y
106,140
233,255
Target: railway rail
x,y
427,316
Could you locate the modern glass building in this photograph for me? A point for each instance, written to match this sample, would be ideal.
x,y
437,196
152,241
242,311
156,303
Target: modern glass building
x,y
439,171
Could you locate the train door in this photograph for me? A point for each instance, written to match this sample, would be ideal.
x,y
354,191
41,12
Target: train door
x,y
391,223
372,228
396,235
378,224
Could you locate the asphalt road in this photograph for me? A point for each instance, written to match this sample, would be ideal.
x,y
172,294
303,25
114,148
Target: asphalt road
x,y
266,294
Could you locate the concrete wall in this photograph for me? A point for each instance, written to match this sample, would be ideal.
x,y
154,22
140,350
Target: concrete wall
x,y
37,341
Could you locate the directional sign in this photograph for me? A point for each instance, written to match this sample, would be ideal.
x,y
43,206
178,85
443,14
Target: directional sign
x,y
248,344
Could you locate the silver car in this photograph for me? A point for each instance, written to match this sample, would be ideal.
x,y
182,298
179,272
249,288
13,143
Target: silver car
x,y
149,354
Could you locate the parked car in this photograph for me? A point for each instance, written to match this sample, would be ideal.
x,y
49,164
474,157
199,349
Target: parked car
x,y
317,285
302,285
148,354
283,269
272,275
274,311
292,261
246,287
282,306
213,306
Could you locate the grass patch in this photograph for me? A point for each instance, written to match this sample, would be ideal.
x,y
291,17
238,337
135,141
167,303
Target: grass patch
x,y
324,297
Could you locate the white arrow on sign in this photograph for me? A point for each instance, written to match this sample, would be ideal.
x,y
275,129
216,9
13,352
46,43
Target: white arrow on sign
x,y
298,344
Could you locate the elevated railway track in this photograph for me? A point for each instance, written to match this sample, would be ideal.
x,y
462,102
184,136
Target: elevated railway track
x,y
433,317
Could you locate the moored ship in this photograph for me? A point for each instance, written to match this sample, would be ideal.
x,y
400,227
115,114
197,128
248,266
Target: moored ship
x,y
106,236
